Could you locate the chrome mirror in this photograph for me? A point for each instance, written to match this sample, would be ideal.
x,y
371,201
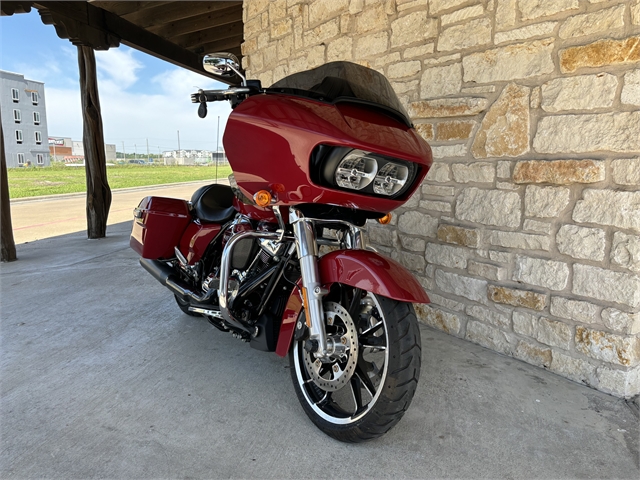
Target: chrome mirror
x,y
224,66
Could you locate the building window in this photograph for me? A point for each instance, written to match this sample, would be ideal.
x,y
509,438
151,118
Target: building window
x,y
19,136
17,116
15,95
36,118
34,98
38,137
40,159
21,159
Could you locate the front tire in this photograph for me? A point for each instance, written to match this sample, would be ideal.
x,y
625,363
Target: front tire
x,y
378,392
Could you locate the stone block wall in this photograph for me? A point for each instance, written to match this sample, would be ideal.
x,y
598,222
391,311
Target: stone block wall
x,y
526,232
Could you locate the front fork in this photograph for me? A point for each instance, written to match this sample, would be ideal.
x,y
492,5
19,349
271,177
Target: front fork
x,y
312,290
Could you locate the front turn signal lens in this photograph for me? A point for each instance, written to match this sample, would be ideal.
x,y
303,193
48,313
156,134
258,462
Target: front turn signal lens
x,y
262,198
386,219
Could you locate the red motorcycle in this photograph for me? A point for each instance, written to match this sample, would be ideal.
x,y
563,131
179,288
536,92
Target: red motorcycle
x,y
314,157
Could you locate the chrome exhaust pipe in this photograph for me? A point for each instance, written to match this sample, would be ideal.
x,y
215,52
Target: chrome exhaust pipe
x,y
166,276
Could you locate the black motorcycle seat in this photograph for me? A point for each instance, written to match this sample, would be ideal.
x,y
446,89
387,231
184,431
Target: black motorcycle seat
x,y
213,203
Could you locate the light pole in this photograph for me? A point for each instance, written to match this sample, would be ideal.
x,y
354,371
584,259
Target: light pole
x,y
217,147
178,143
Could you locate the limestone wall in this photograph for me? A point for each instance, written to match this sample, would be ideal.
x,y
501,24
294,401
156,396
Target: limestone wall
x,y
526,233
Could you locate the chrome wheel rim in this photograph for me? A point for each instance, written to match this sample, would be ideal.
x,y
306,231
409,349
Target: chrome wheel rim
x,y
359,394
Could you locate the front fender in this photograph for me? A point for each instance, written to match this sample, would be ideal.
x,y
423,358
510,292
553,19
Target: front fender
x,y
362,269
372,272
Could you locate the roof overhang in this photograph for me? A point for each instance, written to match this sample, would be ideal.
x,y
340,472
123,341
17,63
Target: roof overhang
x,y
178,32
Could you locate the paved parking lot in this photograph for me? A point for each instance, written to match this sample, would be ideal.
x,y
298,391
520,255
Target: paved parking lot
x,y
103,377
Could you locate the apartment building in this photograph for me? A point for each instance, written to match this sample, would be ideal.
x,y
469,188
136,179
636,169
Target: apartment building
x,y
24,121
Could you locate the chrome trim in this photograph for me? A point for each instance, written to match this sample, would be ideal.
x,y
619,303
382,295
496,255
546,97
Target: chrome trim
x,y
206,311
235,90
278,215
272,247
316,406
181,258
307,246
220,63
355,239
225,271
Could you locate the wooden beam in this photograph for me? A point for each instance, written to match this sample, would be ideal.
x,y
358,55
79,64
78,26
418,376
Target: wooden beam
x,y
203,37
98,191
220,45
175,11
8,245
123,8
9,8
199,22
79,22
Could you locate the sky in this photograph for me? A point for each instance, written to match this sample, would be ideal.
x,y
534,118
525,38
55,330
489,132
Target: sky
x,y
142,98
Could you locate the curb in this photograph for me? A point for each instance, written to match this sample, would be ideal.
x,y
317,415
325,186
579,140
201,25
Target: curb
x,y
62,196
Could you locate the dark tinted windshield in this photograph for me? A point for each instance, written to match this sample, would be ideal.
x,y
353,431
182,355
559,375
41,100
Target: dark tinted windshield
x,y
344,81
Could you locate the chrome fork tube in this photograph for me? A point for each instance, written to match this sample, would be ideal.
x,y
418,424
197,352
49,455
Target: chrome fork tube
x,y
307,247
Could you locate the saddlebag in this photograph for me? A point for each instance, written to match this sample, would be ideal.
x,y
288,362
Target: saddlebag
x,y
158,225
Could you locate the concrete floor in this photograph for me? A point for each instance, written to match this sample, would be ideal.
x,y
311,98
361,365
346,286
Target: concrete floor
x,y
103,377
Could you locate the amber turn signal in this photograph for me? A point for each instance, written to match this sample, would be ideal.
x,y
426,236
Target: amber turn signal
x,y
262,198
385,220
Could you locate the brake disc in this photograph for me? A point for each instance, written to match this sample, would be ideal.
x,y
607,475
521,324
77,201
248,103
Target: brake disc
x,y
334,374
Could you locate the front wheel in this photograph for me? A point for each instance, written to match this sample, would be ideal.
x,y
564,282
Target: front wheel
x,y
363,390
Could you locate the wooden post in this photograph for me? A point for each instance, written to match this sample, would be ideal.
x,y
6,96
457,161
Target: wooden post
x,y
6,233
98,191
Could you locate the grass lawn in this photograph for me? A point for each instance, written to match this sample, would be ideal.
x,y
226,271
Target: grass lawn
x,y
34,181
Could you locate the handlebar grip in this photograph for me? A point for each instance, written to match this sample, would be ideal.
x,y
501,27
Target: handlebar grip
x,y
212,96
207,96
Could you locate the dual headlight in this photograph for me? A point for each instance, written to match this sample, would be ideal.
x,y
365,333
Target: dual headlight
x,y
366,172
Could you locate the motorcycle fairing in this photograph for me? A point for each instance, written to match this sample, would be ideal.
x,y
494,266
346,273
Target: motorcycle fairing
x,y
284,130
362,269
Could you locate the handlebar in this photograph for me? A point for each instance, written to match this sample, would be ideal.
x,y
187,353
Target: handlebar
x,y
234,94
203,96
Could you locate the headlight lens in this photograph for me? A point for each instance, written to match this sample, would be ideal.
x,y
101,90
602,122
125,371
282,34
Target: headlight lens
x,y
356,171
390,179
368,173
